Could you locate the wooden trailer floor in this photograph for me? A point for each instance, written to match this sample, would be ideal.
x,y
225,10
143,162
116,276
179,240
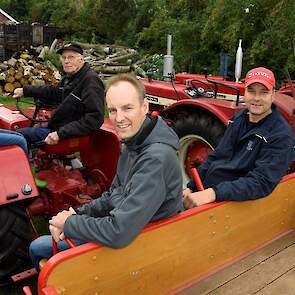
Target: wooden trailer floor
x,y
269,271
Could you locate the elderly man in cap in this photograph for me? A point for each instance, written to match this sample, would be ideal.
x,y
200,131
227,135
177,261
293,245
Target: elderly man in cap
x,y
254,153
80,96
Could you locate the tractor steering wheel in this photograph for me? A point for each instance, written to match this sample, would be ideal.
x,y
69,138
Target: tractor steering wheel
x,y
35,118
207,91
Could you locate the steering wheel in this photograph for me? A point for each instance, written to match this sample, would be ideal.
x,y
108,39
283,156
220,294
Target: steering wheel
x,y
36,117
207,91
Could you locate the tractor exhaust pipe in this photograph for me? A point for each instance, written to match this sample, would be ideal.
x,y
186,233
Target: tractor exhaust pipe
x,y
168,61
239,62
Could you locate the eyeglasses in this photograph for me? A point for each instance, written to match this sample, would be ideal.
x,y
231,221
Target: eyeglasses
x,y
69,57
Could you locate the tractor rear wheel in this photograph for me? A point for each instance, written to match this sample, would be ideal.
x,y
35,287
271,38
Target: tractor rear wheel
x,y
199,133
15,237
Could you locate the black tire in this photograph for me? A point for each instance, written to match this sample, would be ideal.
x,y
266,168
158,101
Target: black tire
x,y
15,238
194,127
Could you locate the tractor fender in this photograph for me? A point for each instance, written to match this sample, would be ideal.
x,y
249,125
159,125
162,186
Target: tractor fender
x,y
102,153
221,114
17,181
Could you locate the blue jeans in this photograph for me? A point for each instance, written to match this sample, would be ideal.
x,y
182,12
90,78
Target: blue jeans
x,y
9,137
34,134
42,248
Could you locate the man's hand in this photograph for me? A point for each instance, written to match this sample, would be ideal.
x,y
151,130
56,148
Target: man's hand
x,y
59,220
18,92
56,233
186,192
199,198
52,138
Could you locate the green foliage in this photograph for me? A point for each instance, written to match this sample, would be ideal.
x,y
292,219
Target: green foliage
x,y
202,29
53,57
154,66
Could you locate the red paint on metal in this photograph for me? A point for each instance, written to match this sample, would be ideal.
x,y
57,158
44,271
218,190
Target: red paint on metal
x,y
27,290
49,291
197,179
25,275
54,246
15,172
70,243
67,146
197,153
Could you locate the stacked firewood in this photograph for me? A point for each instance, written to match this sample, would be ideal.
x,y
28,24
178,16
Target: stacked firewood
x,y
108,60
26,70
30,67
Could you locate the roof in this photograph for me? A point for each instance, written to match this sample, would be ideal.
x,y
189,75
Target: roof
x,y
8,16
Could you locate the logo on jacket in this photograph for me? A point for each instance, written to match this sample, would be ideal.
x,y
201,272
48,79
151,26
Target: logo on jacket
x,y
250,145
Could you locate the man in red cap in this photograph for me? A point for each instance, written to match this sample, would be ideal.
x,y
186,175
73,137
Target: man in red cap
x,y
254,153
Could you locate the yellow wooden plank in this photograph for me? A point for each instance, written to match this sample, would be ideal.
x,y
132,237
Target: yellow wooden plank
x,y
175,254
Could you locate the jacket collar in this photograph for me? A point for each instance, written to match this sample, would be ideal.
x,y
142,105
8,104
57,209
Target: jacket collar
x,y
264,127
144,131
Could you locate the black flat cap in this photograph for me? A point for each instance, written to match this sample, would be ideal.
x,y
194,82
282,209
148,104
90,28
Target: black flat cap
x,y
70,46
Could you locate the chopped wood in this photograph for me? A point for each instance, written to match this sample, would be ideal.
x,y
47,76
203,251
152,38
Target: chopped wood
x,y
53,45
17,84
25,56
8,87
18,75
11,72
112,69
38,82
27,70
2,76
24,81
31,69
43,52
11,62
9,78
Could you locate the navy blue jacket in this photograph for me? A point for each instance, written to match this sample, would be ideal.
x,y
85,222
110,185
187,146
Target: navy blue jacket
x,y
249,166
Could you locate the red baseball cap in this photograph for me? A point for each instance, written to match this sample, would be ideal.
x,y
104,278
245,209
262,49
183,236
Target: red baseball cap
x,y
261,75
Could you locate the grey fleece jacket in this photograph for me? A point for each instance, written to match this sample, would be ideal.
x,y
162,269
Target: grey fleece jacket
x,y
146,187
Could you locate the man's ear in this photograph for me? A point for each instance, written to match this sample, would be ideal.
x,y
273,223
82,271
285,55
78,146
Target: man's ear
x,y
146,105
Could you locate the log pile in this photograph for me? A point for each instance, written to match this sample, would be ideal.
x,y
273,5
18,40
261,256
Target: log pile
x,y
26,70
30,68
108,60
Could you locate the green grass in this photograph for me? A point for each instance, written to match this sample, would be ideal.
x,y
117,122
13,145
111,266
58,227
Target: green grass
x,y
24,103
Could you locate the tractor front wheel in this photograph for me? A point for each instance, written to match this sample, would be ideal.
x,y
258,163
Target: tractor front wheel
x,y
15,238
199,133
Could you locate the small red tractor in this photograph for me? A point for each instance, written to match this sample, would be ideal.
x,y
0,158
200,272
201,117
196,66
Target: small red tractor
x,y
198,107
63,187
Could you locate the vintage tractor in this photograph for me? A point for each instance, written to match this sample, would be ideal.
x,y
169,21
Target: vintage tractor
x,y
176,253
198,108
60,185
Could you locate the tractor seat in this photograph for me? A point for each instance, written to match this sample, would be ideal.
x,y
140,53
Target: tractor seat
x,y
67,146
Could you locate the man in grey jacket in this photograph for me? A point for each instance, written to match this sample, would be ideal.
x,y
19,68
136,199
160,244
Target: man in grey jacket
x,y
147,186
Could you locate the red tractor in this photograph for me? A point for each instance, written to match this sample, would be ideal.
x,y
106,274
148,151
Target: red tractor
x,y
198,107
62,185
